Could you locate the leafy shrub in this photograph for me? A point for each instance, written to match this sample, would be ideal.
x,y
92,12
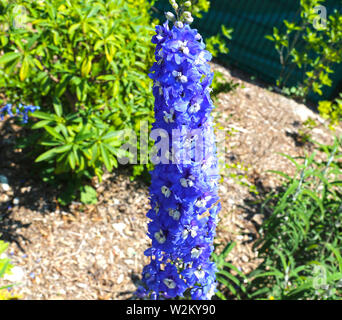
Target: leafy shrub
x,y
309,46
85,63
301,240
331,110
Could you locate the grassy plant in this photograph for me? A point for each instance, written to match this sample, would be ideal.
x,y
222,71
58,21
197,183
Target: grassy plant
x,y
228,276
301,239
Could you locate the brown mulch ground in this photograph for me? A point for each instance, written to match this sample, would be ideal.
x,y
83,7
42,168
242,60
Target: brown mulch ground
x,y
96,251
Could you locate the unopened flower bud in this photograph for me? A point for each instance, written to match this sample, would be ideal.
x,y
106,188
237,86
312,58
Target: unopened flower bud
x,y
187,4
170,16
174,5
179,24
187,14
189,20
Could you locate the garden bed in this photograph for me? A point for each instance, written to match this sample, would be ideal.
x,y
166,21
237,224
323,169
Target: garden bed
x,y
96,251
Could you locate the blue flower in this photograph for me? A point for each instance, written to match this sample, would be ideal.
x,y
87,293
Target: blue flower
x,y
24,111
184,193
21,110
7,109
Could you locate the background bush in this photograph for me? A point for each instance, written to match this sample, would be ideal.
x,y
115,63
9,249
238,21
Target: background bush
x,y
85,63
309,46
331,110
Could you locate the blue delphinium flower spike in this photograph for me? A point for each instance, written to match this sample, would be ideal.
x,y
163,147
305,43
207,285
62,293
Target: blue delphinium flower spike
x,y
183,194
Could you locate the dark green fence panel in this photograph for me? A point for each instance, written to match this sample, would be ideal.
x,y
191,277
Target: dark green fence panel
x,y
252,20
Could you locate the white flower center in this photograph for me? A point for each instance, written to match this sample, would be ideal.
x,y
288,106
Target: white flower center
x,y
199,274
168,118
160,237
179,76
169,283
202,202
165,191
183,47
183,79
185,234
175,214
186,182
193,231
195,253
194,108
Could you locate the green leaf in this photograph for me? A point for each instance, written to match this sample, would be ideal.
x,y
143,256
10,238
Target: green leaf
x,y
62,85
41,124
24,70
229,276
284,175
54,133
58,107
53,152
3,246
10,56
88,195
44,116
4,268
336,253
46,156
221,295
105,158
86,66
72,160
107,77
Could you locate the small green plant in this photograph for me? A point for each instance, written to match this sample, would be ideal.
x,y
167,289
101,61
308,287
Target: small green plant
x,y
314,48
217,44
5,267
5,263
220,84
79,143
294,92
228,276
331,110
301,239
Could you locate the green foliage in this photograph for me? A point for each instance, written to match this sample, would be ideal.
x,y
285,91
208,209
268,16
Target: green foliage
x,y
88,195
220,84
85,63
5,267
216,44
309,46
301,239
228,275
5,263
331,110
198,7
